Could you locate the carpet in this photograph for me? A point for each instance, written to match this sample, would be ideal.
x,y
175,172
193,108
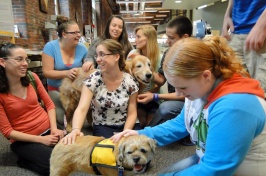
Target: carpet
x,y
164,157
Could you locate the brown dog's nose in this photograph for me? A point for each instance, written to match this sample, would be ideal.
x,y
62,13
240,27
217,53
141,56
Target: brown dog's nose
x,y
148,76
136,159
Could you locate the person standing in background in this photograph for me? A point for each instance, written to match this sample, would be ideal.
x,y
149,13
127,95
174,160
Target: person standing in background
x,y
60,60
247,23
115,29
31,130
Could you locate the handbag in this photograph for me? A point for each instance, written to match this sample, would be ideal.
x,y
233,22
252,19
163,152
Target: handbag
x,y
34,85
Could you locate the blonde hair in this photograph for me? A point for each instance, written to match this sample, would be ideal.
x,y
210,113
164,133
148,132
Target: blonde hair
x,y
153,52
189,57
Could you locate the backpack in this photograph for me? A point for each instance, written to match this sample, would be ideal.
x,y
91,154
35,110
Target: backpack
x,y
34,85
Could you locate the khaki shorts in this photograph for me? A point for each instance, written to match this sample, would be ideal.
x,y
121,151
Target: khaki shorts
x,y
254,62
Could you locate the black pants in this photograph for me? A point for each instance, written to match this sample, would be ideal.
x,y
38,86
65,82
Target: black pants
x,y
33,156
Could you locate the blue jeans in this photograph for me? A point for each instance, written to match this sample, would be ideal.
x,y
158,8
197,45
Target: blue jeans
x,y
181,165
166,111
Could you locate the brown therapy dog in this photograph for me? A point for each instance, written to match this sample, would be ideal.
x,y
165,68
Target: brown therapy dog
x,y
133,153
139,67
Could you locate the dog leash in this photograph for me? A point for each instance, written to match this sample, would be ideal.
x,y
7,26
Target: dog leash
x,y
120,167
120,170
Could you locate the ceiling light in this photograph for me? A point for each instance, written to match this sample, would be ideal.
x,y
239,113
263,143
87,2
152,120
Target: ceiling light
x,y
140,17
203,6
154,8
137,22
158,19
146,17
178,1
136,11
164,11
206,5
146,1
161,15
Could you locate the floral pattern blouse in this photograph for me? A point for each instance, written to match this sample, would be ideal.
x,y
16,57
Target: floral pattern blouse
x,y
110,107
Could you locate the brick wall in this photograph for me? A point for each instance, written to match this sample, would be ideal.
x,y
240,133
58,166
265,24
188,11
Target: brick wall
x,y
103,12
31,20
79,10
86,12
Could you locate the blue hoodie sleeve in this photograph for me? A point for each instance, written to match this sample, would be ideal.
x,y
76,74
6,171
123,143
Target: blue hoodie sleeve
x,y
234,122
167,132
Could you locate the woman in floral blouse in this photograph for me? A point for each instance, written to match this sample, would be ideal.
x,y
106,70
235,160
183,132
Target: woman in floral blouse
x,y
111,93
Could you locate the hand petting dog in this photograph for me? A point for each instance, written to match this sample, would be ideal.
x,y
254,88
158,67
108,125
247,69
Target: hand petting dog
x,y
71,137
115,138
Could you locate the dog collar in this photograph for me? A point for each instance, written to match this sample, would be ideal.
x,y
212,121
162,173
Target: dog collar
x,y
102,155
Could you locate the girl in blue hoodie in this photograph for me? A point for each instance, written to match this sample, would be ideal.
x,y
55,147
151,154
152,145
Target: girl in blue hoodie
x,y
224,111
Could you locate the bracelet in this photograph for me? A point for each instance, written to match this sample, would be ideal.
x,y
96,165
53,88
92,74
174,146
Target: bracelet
x,y
155,97
75,129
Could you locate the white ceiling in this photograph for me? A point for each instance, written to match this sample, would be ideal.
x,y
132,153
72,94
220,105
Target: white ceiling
x,y
185,4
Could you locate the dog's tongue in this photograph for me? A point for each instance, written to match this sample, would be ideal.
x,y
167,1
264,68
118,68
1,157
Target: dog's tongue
x,y
138,167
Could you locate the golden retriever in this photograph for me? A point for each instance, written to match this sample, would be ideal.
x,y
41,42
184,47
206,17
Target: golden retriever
x,y
140,67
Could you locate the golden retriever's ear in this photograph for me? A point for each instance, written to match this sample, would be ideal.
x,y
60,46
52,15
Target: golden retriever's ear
x,y
152,144
128,67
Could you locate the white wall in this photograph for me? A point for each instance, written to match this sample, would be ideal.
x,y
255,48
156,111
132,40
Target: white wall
x,y
214,15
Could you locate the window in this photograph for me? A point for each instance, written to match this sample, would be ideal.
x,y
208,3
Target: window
x,y
56,7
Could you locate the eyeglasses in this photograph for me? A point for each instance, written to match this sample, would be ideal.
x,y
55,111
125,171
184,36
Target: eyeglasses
x,y
73,33
101,55
19,60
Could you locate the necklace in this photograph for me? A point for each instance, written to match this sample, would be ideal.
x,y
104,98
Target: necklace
x,y
70,55
67,53
69,58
